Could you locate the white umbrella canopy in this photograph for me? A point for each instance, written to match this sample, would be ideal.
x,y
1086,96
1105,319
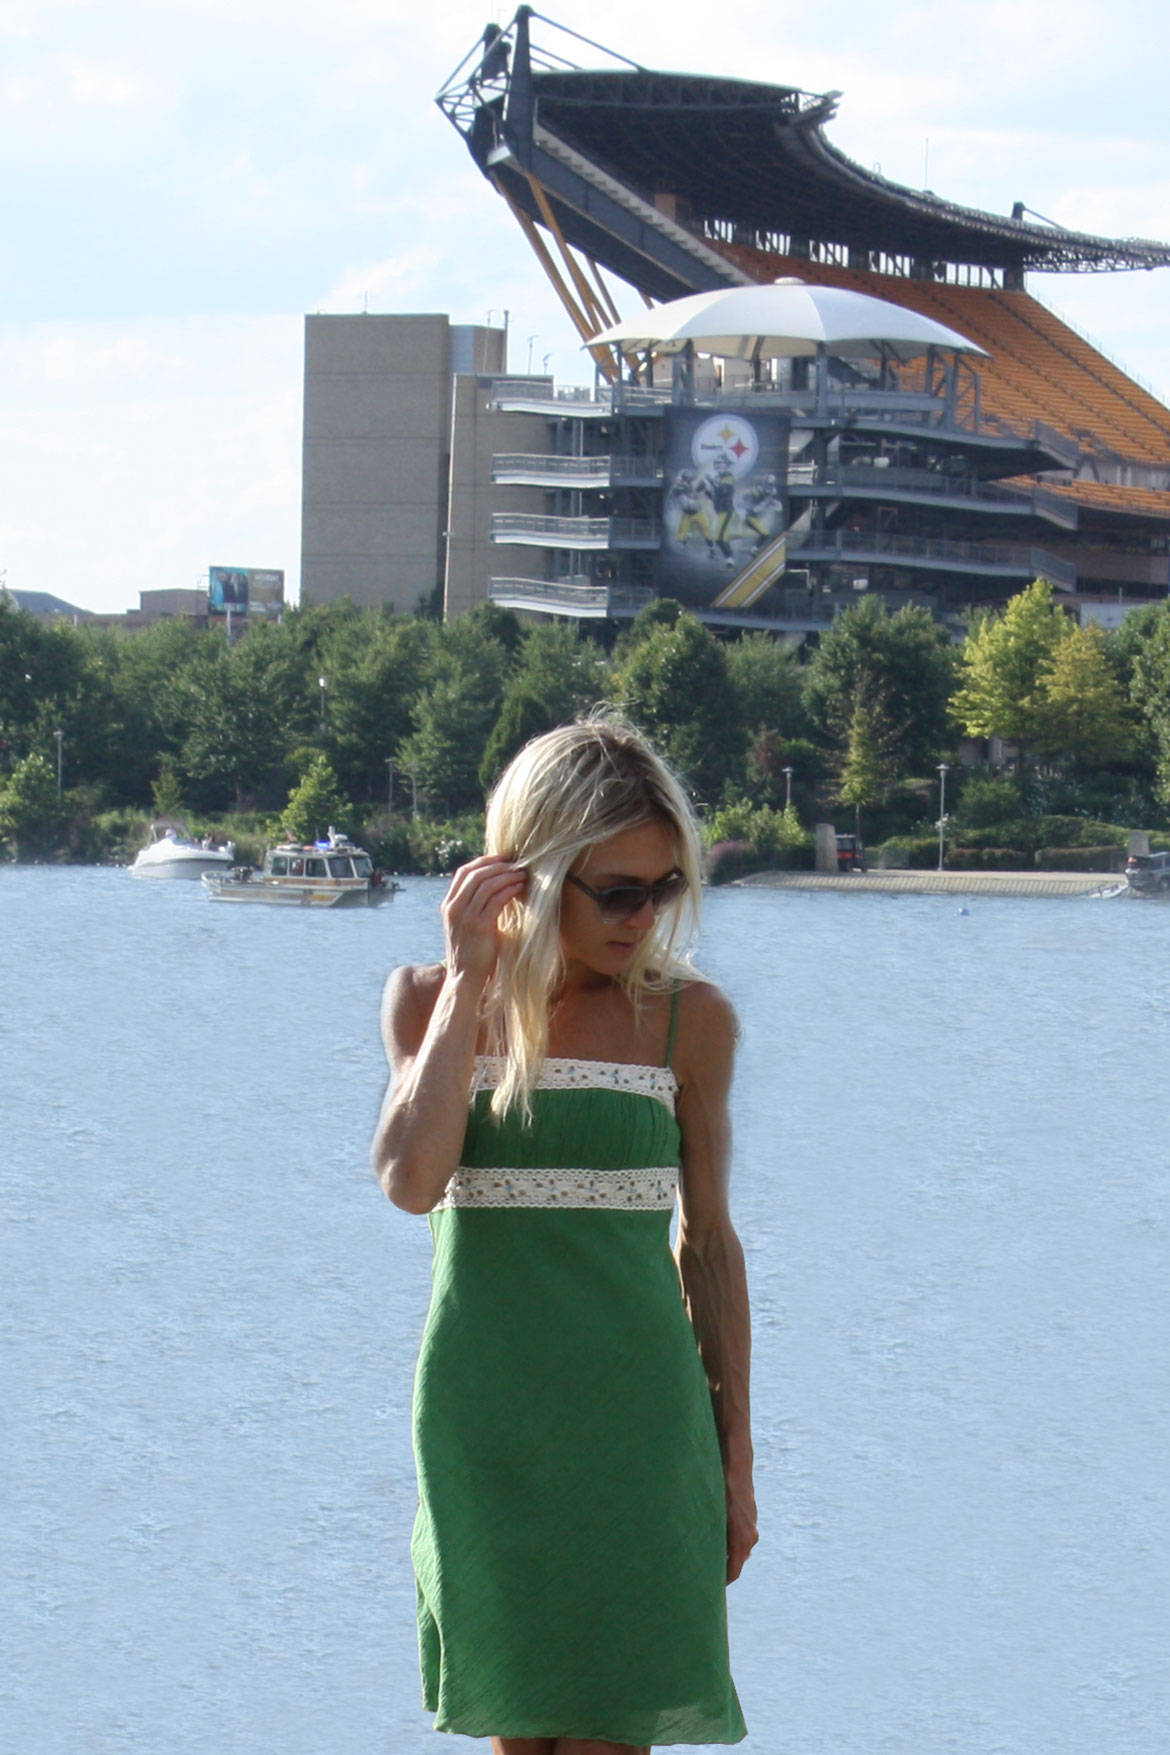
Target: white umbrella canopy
x,y
787,318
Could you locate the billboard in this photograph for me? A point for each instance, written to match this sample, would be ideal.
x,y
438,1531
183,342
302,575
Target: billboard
x,y
252,591
726,506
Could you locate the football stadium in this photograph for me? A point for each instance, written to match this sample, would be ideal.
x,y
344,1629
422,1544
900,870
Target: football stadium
x,y
759,470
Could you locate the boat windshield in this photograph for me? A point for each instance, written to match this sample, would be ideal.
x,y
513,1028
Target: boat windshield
x,y
362,866
340,867
315,868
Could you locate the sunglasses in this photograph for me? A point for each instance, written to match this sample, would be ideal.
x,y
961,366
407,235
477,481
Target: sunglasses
x,y
622,901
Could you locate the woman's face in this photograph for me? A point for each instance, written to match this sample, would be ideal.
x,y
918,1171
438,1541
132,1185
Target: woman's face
x,y
590,944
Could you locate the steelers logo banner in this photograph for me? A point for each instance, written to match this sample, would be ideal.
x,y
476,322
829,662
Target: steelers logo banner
x,y
726,505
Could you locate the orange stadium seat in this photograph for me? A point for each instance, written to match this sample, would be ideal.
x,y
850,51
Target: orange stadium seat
x,y
1039,369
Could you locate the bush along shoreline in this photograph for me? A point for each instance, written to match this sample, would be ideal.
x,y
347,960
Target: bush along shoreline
x,y
394,728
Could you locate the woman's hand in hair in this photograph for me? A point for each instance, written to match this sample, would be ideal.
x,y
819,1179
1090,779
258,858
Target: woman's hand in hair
x,y
479,893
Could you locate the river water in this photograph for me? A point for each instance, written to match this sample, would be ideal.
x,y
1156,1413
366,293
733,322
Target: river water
x,y
951,1180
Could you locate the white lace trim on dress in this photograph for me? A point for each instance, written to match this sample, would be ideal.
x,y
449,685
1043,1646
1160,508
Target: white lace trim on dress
x,y
625,1190
658,1082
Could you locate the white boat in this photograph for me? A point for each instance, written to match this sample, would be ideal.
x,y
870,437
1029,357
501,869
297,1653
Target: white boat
x,y
328,874
172,853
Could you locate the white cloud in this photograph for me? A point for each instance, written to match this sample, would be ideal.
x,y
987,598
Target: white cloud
x,y
162,163
136,456
382,285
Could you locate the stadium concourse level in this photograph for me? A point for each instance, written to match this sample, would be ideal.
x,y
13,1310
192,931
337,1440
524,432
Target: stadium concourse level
x,y
678,184
1039,368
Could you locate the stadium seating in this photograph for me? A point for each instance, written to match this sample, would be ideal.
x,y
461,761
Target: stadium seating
x,y
1039,369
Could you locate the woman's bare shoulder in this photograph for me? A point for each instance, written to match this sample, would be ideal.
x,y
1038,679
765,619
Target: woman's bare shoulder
x,y
408,999
702,1005
707,1030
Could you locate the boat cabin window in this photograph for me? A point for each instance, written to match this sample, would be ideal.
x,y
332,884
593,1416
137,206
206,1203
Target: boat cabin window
x,y
296,868
279,865
340,868
314,868
362,867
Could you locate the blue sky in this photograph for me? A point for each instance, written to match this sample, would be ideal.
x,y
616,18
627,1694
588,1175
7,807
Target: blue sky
x,y
183,180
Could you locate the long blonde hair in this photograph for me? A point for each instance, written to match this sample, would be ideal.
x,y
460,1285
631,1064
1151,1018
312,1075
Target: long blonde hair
x,y
560,795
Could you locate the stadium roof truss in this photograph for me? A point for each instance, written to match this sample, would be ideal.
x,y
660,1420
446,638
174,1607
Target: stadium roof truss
x,y
646,175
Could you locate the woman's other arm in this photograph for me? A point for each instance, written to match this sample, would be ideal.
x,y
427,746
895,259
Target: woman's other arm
x,y
430,1021
710,1257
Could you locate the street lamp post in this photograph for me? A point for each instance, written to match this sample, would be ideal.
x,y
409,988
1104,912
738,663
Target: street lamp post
x,y
321,685
943,770
60,736
788,789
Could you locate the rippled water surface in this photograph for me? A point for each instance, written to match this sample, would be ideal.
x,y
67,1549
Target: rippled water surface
x,y
951,1179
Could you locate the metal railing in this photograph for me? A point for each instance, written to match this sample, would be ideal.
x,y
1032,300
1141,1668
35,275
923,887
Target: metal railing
x,y
901,407
958,556
555,597
594,471
628,468
550,468
558,532
897,481
572,532
524,389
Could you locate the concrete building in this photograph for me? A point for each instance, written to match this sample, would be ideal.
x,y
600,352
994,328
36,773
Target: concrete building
x,y
379,393
179,603
43,605
427,471
482,428
919,482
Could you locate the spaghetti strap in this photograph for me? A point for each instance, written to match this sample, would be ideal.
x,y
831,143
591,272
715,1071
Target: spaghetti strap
x,y
673,1030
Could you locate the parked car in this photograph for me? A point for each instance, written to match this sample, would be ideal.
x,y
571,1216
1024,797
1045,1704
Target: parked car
x,y
1148,873
850,853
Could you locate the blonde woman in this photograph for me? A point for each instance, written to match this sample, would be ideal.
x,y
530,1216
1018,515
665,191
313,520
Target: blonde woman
x,y
581,1433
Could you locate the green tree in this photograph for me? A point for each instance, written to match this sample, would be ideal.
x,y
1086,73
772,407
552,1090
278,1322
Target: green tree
x,y
29,676
377,667
523,716
1082,712
453,721
167,790
676,685
557,675
1149,688
770,684
316,805
488,620
48,682
770,756
454,715
868,763
566,671
147,704
1003,662
901,666
248,706
660,612
33,821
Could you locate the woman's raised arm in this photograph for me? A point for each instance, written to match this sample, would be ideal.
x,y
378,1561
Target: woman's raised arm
x,y
430,1022
710,1257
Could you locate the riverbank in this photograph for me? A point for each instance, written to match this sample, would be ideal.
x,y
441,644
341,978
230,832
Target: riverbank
x,y
953,883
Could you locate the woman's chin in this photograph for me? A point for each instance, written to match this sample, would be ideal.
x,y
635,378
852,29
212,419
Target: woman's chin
x,y
622,950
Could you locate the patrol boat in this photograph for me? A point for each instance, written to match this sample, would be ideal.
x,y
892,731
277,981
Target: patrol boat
x,y
324,874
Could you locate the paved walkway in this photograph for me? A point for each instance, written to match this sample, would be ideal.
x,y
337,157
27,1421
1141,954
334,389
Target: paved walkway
x,y
954,883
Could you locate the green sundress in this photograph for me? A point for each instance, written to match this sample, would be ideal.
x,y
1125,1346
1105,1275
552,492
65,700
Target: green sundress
x,y
570,1544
